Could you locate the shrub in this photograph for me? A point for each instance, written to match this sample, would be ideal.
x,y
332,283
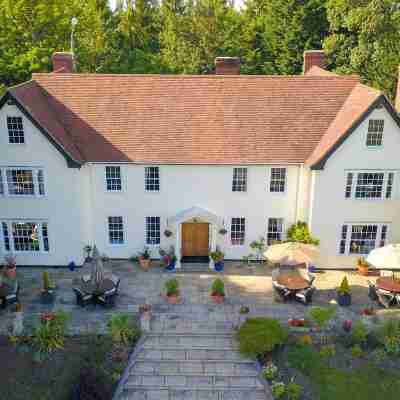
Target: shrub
x,y
389,336
299,232
122,329
46,281
217,255
260,335
293,390
93,385
49,334
305,359
356,351
344,287
259,246
359,334
328,351
278,389
305,340
270,372
172,287
322,315
218,287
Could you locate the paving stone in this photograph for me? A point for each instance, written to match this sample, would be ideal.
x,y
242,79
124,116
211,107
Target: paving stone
x,y
157,395
175,380
152,380
173,355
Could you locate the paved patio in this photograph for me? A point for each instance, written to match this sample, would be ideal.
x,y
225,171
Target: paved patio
x,y
244,284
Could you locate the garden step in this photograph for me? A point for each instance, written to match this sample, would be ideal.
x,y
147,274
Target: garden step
x,y
151,393
188,367
190,354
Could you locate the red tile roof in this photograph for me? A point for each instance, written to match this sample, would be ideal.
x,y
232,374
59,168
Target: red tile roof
x,y
170,119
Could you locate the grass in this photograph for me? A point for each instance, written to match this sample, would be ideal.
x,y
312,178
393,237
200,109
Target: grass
x,y
363,383
54,378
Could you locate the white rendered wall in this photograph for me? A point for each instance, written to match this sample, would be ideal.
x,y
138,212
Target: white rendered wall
x,y
330,209
62,205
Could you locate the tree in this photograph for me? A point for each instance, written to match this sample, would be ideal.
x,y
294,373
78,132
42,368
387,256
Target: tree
x,y
364,38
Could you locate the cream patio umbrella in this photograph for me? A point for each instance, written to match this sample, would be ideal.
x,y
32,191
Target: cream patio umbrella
x,y
385,257
292,253
97,273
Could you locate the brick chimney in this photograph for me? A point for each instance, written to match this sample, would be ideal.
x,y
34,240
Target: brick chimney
x,y
227,66
63,62
397,100
313,58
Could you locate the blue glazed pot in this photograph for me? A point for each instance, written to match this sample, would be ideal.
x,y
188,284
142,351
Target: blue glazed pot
x,y
171,266
219,266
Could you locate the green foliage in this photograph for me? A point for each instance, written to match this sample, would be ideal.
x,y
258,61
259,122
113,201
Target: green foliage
x,y
299,232
278,390
356,351
293,390
328,351
389,336
49,335
217,255
259,246
46,281
260,336
322,315
270,372
359,333
344,287
172,287
145,253
122,329
218,287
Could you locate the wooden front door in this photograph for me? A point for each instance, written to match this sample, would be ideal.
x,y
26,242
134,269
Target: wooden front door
x,y
195,241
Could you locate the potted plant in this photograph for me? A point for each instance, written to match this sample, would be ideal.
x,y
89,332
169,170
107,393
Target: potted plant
x,y
218,257
362,266
218,291
167,233
172,291
10,266
47,295
343,293
222,231
144,258
88,250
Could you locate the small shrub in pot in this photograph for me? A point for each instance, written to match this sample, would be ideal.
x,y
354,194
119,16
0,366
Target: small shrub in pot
x,y
343,293
172,291
218,291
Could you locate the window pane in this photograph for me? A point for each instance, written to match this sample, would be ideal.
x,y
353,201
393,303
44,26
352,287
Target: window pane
x,y
25,236
40,178
369,185
349,183
278,180
20,182
115,230
1,183
15,130
238,229
113,179
153,230
375,132
275,230
6,236
363,238
45,237
389,186
239,181
342,247
152,179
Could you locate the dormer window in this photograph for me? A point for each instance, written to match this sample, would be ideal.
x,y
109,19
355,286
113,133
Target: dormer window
x,y
15,130
375,132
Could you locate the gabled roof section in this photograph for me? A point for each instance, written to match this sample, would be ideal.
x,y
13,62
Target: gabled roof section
x,y
360,103
31,100
184,119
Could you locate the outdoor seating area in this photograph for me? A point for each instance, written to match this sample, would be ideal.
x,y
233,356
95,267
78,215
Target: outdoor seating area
x,y
8,292
386,291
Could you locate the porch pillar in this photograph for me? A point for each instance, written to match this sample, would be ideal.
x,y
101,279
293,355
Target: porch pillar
x,y
178,244
213,243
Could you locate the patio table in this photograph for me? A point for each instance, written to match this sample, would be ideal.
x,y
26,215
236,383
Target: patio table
x,y
97,290
292,281
388,283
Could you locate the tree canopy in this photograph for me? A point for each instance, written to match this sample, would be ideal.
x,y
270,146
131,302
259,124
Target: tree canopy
x,y
184,36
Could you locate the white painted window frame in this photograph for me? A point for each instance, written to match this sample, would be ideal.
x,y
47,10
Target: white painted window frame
x,y
39,222
145,231
375,147
247,180
120,177
348,236
384,187
123,231
145,179
267,229
244,232
8,133
270,178
35,171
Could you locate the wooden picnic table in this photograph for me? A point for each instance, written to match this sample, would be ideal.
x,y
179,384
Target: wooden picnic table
x,y
292,281
388,283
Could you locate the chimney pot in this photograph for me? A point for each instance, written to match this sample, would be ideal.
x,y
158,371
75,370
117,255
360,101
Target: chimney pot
x,y
313,58
227,66
63,62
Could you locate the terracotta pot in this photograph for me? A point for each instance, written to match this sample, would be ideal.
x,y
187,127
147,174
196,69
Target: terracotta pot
x,y
217,299
173,299
144,263
363,270
11,272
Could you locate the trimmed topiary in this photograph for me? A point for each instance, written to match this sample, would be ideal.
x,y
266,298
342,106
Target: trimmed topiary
x,y
258,336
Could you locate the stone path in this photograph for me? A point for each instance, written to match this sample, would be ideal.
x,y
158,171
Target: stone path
x,y
191,357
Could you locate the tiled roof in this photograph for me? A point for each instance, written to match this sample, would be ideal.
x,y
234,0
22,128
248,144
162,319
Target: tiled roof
x,y
170,119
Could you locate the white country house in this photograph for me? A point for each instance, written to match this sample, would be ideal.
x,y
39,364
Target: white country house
x,y
117,160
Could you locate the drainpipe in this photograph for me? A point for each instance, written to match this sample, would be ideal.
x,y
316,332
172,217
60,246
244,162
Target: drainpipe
x,y
299,194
